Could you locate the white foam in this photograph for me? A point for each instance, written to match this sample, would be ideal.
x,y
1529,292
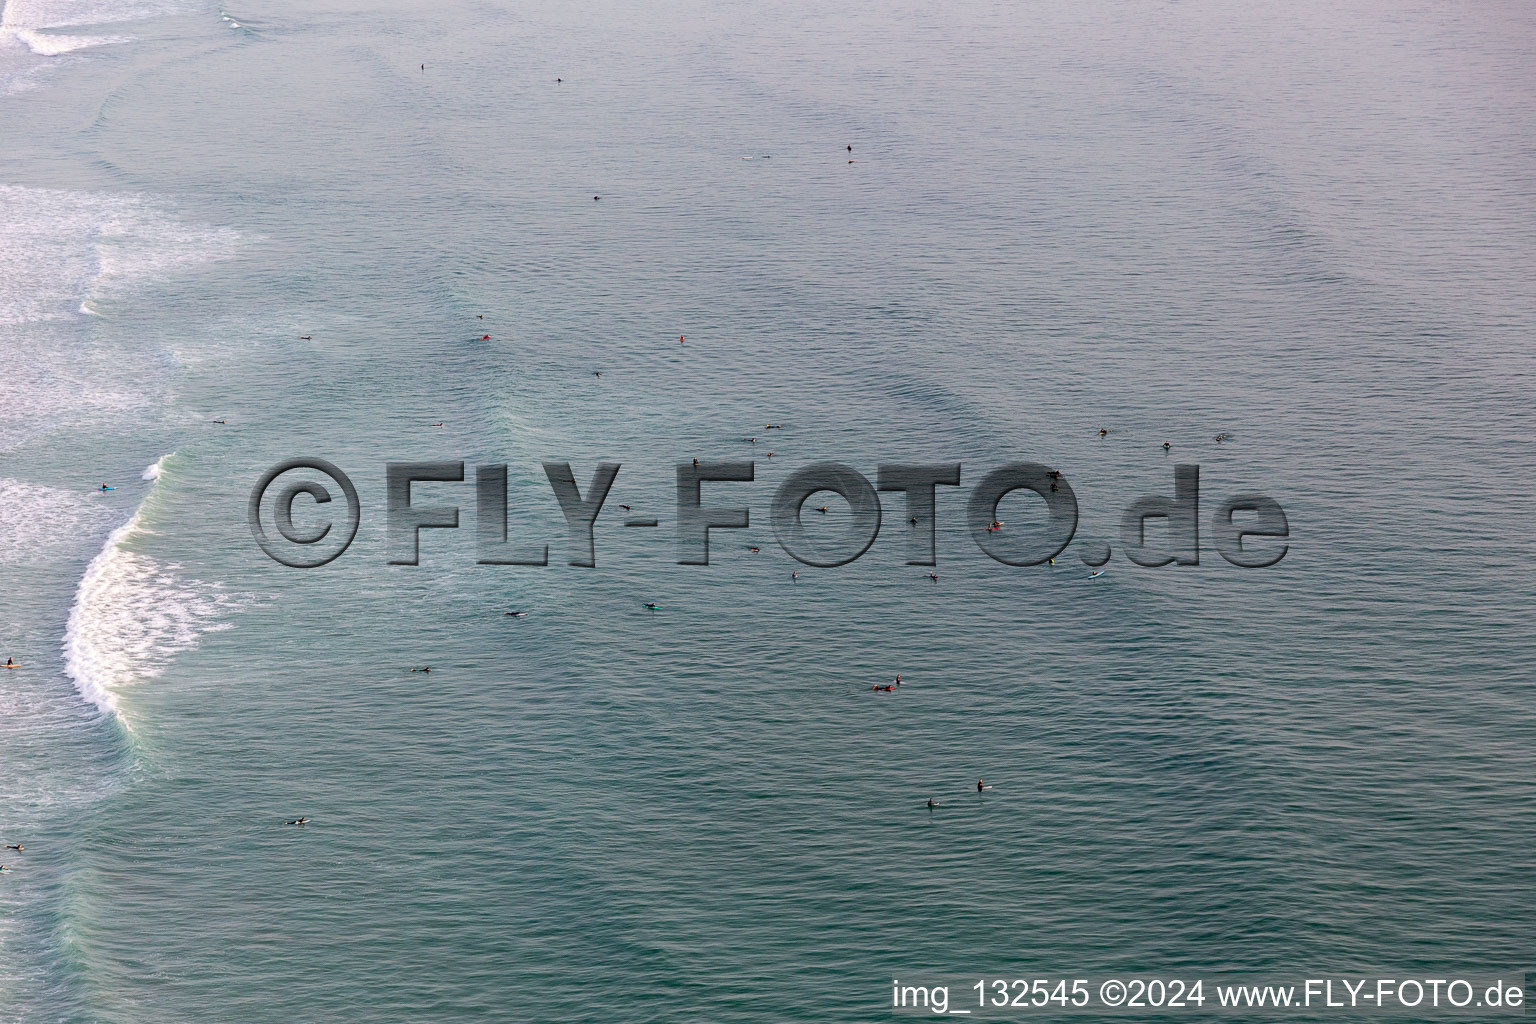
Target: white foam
x,y
46,44
38,523
47,252
59,250
75,13
28,28
19,76
47,391
132,614
140,243
68,255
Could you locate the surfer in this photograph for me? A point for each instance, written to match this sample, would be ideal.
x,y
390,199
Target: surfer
x,y
850,147
14,846
516,615
898,678
822,509
753,548
9,663
980,787
222,421
650,606
794,575
750,440
625,508
931,803
306,337
680,339
437,424
934,576
424,668
104,487
1103,432
597,373
1166,446
297,821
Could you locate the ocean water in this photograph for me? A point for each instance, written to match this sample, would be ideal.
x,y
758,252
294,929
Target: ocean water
x,y
1310,226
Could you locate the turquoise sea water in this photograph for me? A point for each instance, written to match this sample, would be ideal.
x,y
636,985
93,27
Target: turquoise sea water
x,y
1310,226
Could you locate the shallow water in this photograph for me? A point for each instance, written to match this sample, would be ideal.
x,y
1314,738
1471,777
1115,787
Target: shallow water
x,y
1311,227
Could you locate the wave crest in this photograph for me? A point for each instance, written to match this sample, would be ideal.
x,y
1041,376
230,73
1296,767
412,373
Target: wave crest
x,y
132,614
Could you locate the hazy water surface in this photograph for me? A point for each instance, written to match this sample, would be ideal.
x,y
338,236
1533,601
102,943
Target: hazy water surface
x,y
1311,227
